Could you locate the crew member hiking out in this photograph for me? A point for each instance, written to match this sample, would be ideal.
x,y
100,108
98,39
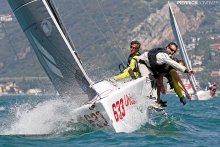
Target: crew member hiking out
x,y
175,83
152,61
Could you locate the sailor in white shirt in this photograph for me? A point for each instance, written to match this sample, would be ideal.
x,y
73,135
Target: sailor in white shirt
x,y
154,60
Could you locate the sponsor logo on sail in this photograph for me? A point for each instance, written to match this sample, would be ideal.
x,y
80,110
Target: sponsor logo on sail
x,y
46,27
83,86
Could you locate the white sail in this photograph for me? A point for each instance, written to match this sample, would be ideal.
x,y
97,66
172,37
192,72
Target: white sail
x,y
182,48
197,93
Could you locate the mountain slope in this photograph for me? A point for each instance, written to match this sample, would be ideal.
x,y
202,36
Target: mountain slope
x,y
144,20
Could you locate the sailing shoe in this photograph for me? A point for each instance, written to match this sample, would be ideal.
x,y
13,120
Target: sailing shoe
x,y
183,100
163,102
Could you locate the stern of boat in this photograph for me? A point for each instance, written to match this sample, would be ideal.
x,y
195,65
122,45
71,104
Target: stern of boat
x,y
204,95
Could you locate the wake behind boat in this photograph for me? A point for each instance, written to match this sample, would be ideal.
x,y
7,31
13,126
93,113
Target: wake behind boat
x,y
112,106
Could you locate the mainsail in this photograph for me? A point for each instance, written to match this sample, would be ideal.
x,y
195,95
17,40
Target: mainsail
x,y
51,43
182,49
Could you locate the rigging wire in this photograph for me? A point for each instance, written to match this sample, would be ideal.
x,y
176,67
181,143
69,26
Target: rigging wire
x,y
110,27
35,67
101,31
21,67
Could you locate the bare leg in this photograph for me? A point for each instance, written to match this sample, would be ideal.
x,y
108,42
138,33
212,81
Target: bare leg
x,y
160,87
180,83
212,93
162,90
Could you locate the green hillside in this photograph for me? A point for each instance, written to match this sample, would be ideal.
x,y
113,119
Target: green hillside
x,y
17,59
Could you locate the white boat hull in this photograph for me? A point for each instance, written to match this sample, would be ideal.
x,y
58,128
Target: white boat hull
x,y
202,95
122,108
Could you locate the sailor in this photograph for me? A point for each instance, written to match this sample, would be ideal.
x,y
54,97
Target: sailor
x,y
131,65
174,81
213,88
152,61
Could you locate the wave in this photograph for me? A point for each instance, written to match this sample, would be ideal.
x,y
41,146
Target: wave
x,y
2,108
51,117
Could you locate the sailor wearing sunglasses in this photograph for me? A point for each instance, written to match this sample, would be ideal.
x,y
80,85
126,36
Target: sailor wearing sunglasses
x,y
154,60
131,69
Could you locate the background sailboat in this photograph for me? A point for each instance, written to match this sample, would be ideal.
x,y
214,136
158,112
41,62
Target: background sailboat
x,y
197,94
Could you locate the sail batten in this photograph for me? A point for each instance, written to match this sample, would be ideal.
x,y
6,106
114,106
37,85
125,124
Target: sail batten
x,y
54,49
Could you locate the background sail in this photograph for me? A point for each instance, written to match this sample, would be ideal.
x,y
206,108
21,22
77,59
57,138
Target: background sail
x,y
182,49
51,44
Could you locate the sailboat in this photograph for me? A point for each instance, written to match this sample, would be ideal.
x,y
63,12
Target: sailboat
x,y
107,105
197,93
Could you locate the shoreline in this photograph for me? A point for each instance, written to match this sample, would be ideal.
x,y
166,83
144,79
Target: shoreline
x,y
217,92
28,95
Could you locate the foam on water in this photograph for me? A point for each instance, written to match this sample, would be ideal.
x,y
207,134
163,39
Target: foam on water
x,y
57,116
2,108
48,117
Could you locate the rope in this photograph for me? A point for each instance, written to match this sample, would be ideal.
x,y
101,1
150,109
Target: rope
x,y
100,31
21,66
111,28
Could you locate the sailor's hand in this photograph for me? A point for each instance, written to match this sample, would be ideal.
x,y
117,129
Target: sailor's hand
x,y
190,72
188,96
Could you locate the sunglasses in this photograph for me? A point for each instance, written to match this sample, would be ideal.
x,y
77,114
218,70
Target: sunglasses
x,y
134,47
172,50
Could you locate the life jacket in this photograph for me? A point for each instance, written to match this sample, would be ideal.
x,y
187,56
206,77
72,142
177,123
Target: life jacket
x,y
214,87
135,58
153,60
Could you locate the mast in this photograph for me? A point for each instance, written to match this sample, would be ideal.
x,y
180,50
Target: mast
x,y
65,35
181,45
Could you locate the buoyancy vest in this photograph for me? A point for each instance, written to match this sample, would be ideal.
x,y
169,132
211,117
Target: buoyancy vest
x,y
214,87
135,56
153,60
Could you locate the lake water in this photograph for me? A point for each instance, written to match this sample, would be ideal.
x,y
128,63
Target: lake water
x,y
48,121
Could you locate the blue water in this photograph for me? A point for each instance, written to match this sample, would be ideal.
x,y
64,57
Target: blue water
x,y
48,121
